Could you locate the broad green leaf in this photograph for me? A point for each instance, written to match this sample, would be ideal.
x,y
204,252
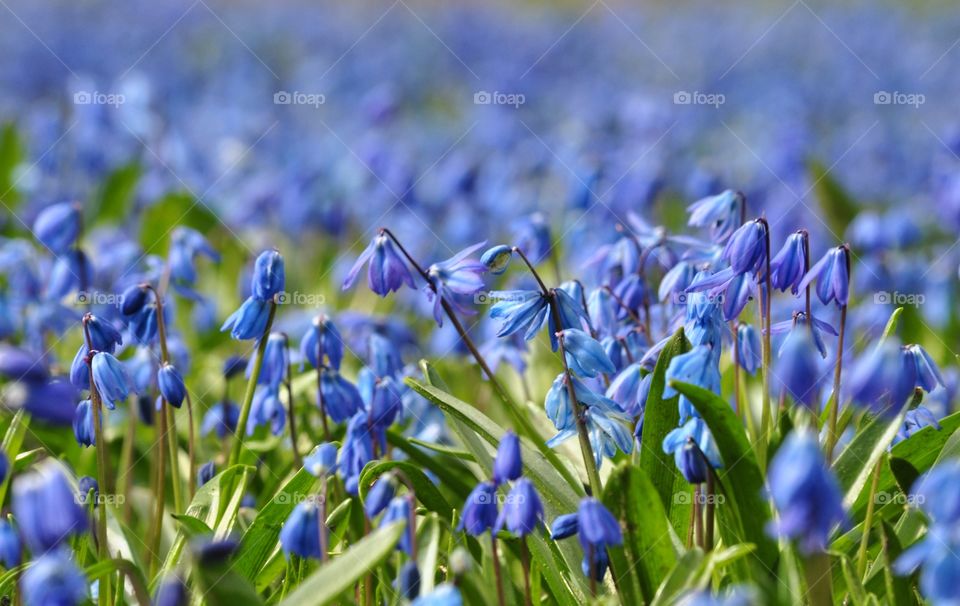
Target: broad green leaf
x,y
428,551
745,514
336,577
660,418
191,526
426,492
647,548
114,198
856,462
260,540
694,571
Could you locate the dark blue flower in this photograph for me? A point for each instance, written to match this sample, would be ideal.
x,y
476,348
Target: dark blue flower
x,y
265,409
719,213
694,429
171,384
51,402
9,546
58,226
497,259
300,534
323,339
832,274
585,356
234,366
143,324
747,247
268,275
249,321
408,580
458,275
171,592
798,367
133,299
597,528
480,510
103,335
884,379
54,579
387,271
83,424
789,265
748,348
508,464
356,452
4,466
914,421
522,512
276,360
80,368
928,375
206,473
84,486
20,365
398,510
221,419
341,399
379,495
322,461
564,526
110,379
805,492
46,508
596,563
208,551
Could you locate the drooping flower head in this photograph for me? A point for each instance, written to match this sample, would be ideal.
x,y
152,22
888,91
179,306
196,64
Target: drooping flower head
x,y
508,464
171,384
268,275
884,379
300,534
585,356
522,512
700,367
789,265
110,379
457,276
690,444
480,510
832,274
46,508
249,321
748,347
798,366
747,247
83,429
497,259
53,578
322,339
58,226
322,461
387,271
719,213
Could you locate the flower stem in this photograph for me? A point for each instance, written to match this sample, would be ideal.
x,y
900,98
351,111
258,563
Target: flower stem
x,y
496,569
868,521
191,448
835,408
525,563
765,292
819,579
322,522
586,449
251,389
711,509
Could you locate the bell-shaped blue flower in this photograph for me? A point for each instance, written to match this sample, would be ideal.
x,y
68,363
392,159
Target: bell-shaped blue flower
x,y
519,310
221,419
133,299
789,265
267,409
46,508
915,420
80,369
58,226
387,271
206,473
747,247
699,367
110,379
385,357
85,485
884,379
341,399
276,360
10,550
322,340
928,375
300,534
597,528
805,492
171,384
249,321
832,274
408,580
83,424
694,429
719,213
798,367
564,526
748,348
322,461
356,452
54,579
497,259
399,509
103,335
458,275
522,512
171,591
508,465
585,356
268,275
480,510
675,282
379,495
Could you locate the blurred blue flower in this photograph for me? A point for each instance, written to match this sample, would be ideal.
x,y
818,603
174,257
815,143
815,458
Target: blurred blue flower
x,y
265,409
206,473
83,424
300,533
171,591
221,419
46,509
699,367
789,265
480,510
914,421
399,510
341,400
444,595
185,245
276,360
84,485
10,549
508,464
322,461
58,226
110,379
379,495
719,213
522,512
322,338
54,579
748,347
797,369
408,580
884,379
171,384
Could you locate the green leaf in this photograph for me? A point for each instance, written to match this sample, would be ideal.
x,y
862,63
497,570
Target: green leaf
x,y
836,205
856,462
11,445
426,492
191,526
336,577
114,199
260,540
128,568
744,515
694,570
660,417
171,210
891,325
631,497
11,154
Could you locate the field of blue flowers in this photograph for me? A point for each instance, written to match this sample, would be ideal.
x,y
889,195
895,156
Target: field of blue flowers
x,y
460,303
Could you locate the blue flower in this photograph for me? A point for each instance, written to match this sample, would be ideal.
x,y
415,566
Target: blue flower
x,y
832,274
458,275
937,554
387,271
300,534
699,367
267,408
171,385
341,399
143,324
46,508
480,510
585,356
249,321
51,402
4,466
797,368
629,389
58,226
268,275
80,368
938,493
221,419
532,235
522,512
171,591
597,528
234,366
276,360
356,452
83,424
508,465
497,259
379,495
206,473
209,551
928,375
595,563
185,245
110,379
564,526
322,338
689,462
805,492
103,335
9,545
399,510
444,595
524,310
914,421
54,579
20,365
133,299
385,357
84,486
748,348
322,461
789,265
747,247
719,213
885,379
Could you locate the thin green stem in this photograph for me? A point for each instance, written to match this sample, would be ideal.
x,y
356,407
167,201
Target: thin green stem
x,y
96,403
868,521
497,575
835,407
819,579
251,389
